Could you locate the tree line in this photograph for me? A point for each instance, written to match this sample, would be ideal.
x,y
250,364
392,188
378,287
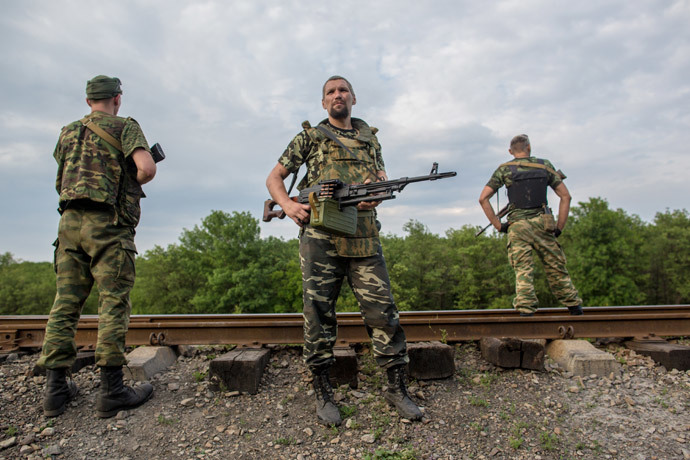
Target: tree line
x,y
223,265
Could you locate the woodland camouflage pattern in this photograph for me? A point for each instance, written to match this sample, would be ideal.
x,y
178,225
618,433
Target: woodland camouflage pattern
x,y
90,248
90,168
326,260
525,237
327,160
96,238
323,272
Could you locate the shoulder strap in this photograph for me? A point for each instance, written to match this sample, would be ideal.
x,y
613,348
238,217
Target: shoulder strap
x,y
86,121
535,165
328,133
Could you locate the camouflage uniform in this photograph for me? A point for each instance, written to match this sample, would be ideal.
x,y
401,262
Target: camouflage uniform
x,y
99,203
327,259
532,230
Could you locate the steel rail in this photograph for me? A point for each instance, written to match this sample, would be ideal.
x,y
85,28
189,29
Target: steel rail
x,y
420,326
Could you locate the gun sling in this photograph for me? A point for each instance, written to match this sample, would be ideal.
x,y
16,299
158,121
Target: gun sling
x,y
535,165
87,122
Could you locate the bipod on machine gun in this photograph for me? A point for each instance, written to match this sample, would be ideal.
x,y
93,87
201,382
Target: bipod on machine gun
x,y
333,203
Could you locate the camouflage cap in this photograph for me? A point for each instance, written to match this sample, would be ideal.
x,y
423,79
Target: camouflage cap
x,y
103,87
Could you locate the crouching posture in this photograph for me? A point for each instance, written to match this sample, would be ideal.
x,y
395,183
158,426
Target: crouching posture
x,y
103,160
343,148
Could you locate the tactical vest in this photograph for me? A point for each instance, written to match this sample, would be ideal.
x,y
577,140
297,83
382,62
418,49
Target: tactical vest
x,y
529,186
90,168
334,162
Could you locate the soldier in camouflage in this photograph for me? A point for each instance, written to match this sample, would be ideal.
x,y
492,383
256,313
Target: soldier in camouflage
x,y
102,161
531,226
326,259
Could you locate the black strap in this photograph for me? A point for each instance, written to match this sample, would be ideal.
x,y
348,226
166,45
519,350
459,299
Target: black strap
x,y
335,139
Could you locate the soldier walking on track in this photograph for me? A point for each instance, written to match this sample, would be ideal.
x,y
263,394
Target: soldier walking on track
x,y
344,148
531,226
102,161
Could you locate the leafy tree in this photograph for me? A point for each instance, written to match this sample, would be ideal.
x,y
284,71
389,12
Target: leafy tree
x,y
606,255
480,272
669,264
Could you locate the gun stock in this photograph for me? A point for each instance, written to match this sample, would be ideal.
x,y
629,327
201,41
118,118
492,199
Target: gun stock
x,y
269,213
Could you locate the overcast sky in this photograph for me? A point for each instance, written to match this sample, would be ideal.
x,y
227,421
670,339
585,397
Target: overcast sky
x,y
602,89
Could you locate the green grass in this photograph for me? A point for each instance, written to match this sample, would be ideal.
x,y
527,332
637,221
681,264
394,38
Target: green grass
x,y
286,441
385,454
548,440
478,402
515,443
347,411
166,421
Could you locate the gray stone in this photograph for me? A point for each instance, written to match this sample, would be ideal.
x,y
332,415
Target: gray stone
x,y
581,358
144,362
5,443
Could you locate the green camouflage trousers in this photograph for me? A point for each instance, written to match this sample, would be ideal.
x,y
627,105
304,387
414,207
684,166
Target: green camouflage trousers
x,y
525,237
90,248
323,272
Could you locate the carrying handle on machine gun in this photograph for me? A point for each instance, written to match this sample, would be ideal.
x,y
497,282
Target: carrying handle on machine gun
x,y
505,210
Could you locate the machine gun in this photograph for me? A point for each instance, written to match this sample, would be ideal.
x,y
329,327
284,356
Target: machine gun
x,y
333,200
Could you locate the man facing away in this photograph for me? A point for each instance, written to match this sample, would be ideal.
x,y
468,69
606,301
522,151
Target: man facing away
x,y
102,161
531,227
326,259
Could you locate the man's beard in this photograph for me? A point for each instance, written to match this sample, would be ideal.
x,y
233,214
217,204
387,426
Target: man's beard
x,y
339,114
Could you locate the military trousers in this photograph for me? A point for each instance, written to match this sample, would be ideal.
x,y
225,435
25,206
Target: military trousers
x,y
90,248
525,237
323,272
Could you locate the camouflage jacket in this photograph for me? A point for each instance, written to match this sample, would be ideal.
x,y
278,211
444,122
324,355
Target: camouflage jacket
x,y
325,160
89,168
503,176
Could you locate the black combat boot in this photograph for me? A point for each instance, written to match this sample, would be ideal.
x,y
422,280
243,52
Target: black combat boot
x,y
116,396
397,394
58,392
326,409
576,310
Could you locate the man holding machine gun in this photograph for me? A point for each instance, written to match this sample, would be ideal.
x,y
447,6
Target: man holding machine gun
x,y
103,160
531,225
326,259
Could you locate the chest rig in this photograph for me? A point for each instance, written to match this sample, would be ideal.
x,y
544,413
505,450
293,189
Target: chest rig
x,y
528,189
351,160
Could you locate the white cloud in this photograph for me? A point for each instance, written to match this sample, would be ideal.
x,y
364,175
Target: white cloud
x,y
601,88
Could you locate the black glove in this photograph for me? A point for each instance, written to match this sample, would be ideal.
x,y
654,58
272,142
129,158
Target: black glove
x,y
557,232
504,227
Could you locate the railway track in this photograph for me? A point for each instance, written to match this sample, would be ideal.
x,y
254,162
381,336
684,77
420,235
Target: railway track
x,y
17,332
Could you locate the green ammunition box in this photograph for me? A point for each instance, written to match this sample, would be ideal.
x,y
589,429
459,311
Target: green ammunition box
x,y
326,216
